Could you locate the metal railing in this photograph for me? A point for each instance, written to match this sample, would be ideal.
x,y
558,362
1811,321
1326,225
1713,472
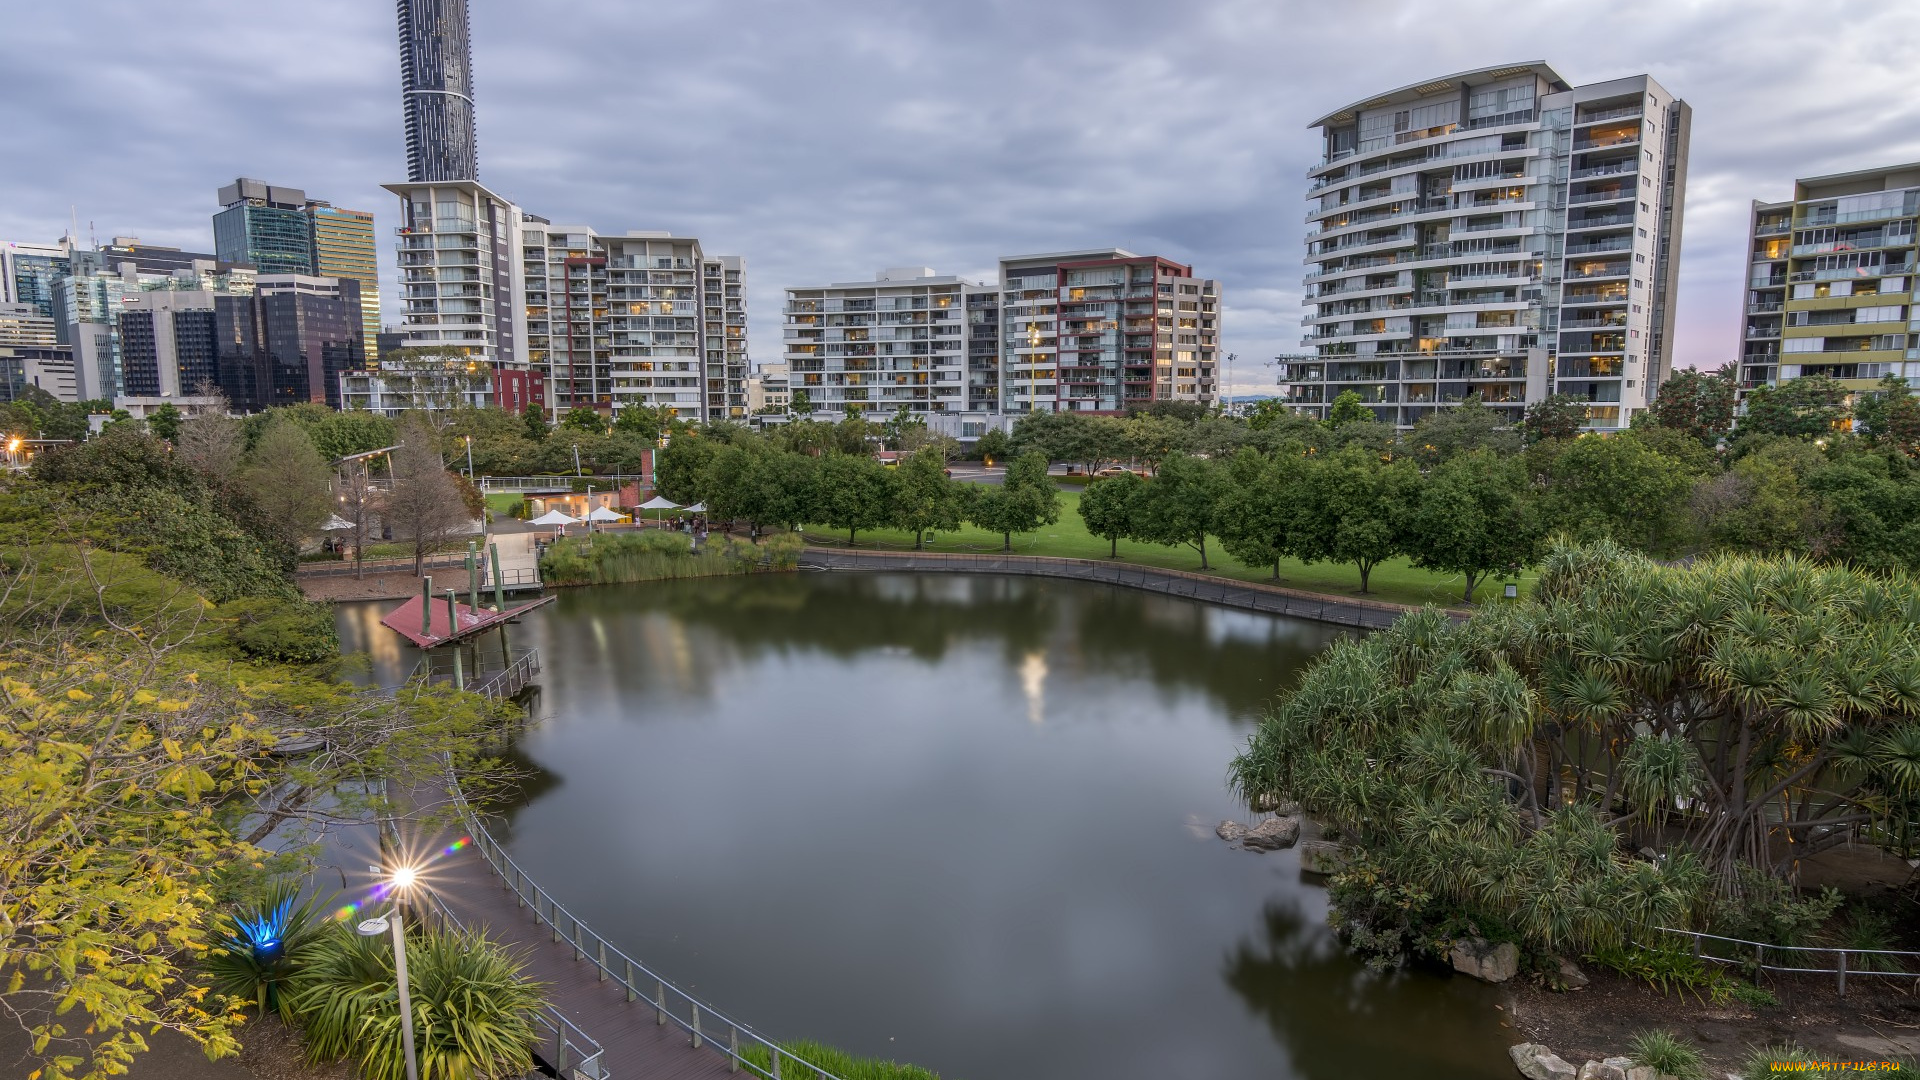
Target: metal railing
x,y
381,566
575,1053
490,484
1759,949
704,1025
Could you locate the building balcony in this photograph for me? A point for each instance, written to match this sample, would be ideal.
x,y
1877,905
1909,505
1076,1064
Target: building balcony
x,y
1620,168
1618,194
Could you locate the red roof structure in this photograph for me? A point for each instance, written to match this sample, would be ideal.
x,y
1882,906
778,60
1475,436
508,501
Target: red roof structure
x,y
405,620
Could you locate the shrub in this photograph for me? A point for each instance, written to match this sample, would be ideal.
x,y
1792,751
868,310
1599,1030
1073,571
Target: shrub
x,y
1767,909
784,550
472,1008
1761,1061
261,951
1670,967
1667,1053
1758,997
834,1061
1869,929
282,631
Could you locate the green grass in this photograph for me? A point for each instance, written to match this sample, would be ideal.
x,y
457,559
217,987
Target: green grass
x,y
1395,581
504,502
837,1062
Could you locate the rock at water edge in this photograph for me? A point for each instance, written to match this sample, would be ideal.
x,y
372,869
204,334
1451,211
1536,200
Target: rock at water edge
x,y
1273,834
1610,1069
1319,856
1230,831
1486,961
1537,1062
1572,978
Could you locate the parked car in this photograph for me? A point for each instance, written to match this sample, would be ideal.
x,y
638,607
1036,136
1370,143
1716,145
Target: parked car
x,y
1118,470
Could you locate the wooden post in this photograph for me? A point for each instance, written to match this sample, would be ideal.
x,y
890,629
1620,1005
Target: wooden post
x,y
426,607
553,918
1842,978
774,1056
630,994
660,1002
696,1025
578,951
473,575
519,898
499,595
733,1048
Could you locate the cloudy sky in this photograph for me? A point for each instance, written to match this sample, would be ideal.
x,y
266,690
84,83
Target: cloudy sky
x,y
824,140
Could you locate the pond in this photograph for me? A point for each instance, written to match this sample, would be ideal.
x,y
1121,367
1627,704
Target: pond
x,y
964,821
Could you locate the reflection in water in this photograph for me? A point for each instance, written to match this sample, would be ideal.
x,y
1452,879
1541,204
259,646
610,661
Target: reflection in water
x,y
1340,1020
959,820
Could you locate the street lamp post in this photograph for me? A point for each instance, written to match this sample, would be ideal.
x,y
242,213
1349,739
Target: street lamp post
x,y
378,925
469,457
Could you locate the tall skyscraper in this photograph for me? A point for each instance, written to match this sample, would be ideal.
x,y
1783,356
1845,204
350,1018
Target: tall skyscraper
x,y
1831,281
1499,233
343,247
264,225
436,83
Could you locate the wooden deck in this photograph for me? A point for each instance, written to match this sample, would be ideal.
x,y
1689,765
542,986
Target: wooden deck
x,y
637,1047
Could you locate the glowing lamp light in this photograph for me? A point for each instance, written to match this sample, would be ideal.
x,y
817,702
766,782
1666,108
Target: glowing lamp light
x,y
404,877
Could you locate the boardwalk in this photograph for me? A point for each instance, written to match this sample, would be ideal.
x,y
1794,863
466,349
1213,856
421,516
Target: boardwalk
x,y
637,1046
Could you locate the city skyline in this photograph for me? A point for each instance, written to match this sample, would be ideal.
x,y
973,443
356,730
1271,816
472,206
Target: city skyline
x,y
1004,130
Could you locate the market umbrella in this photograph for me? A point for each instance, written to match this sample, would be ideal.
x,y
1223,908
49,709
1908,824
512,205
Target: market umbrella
x,y
556,519
335,523
659,502
606,513
697,508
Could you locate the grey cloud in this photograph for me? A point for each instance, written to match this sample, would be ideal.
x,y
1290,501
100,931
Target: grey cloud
x,y
824,140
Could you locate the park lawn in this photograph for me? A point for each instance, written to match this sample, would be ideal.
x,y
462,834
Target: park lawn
x,y
1395,581
504,502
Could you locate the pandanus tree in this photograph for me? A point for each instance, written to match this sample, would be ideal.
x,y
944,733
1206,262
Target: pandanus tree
x,y
1735,713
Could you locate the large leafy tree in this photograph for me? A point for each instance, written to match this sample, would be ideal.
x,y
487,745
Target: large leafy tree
x,y
1809,407
677,469
1556,416
855,492
1348,408
426,504
1700,405
924,498
1466,427
1258,516
1475,517
1617,487
1026,499
1355,508
1108,506
1740,712
287,480
1890,415
1178,505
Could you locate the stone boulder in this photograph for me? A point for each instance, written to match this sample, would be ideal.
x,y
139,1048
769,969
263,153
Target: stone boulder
x,y
1272,834
1537,1062
1319,856
1484,960
1644,1072
1572,978
1613,1068
1274,804
1230,831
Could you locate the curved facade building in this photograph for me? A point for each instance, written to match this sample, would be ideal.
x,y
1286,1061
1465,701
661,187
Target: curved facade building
x,y
1497,232
436,84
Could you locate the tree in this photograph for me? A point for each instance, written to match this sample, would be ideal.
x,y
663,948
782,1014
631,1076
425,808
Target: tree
x,y
1107,506
904,431
855,492
583,418
535,418
799,402
1809,407
1355,509
1257,519
1699,405
1026,499
677,469
1762,503
1475,517
640,421
426,504
1267,412
1557,416
924,499
1890,415
1346,409
992,445
210,444
288,482
1616,486
1177,505
359,502
1149,438
165,422
1466,427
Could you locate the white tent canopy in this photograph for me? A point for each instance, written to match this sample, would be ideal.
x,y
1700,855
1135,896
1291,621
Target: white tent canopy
x,y
697,508
659,503
554,517
335,523
605,513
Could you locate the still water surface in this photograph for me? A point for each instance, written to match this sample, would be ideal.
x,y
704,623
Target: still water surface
x,y
962,821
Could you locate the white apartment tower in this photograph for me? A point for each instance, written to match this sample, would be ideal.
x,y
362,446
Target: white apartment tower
x,y
1497,232
902,340
460,283
640,318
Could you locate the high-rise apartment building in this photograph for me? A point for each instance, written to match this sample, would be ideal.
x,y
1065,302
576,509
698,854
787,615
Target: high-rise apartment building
x,y
1831,281
436,90
1497,232
899,341
265,226
343,247
1105,330
174,341
460,271
641,318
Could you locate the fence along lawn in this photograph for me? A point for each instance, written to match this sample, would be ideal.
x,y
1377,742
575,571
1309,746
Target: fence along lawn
x,y
1395,580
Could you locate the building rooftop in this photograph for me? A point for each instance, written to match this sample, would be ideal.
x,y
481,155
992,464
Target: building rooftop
x,y
1429,87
